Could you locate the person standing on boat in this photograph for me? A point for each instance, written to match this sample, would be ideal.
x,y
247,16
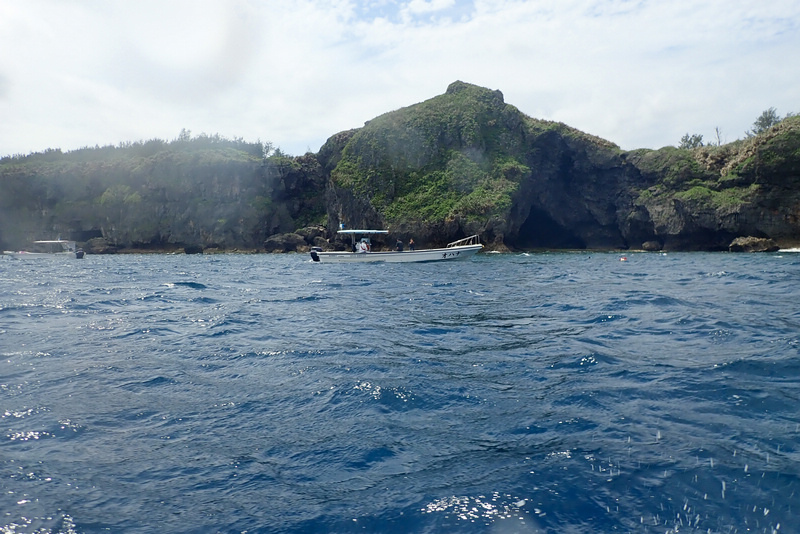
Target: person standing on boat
x,y
363,246
411,244
399,246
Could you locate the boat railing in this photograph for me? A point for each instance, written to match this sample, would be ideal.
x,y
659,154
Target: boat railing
x,y
471,240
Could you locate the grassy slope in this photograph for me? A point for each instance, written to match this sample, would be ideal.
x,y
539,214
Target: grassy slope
x,y
721,176
451,156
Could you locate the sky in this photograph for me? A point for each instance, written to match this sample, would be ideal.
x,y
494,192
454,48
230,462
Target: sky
x,y
639,73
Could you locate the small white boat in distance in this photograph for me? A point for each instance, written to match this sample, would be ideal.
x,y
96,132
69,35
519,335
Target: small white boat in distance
x,y
56,248
457,250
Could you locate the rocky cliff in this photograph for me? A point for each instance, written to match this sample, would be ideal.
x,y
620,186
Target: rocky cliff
x,y
461,163
466,162
206,193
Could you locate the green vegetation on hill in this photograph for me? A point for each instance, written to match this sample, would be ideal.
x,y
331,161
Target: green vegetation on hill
x,y
451,156
204,190
723,176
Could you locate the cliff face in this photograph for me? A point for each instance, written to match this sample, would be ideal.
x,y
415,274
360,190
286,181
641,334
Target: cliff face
x,y
703,198
465,162
573,195
461,163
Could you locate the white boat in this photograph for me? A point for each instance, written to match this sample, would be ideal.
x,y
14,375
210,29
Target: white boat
x,y
362,251
56,248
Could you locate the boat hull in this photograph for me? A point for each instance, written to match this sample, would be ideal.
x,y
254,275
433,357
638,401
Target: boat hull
x,y
55,248
24,255
411,256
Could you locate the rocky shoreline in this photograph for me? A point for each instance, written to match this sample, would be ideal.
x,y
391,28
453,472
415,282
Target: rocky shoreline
x,y
301,242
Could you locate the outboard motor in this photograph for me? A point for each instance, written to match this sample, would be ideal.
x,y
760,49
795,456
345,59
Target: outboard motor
x,y
314,255
79,253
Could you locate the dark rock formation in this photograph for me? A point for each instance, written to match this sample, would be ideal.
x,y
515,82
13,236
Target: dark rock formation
x,y
289,242
651,246
98,245
753,244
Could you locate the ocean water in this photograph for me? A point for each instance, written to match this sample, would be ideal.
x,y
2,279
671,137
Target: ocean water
x,y
551,392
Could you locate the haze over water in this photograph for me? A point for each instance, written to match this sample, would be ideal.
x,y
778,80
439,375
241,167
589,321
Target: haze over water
x,y
552,392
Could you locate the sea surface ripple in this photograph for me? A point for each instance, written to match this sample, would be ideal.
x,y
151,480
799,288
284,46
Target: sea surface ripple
x,y
548,392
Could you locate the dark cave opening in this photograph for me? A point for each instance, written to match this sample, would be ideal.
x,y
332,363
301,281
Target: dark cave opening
x,y
540,231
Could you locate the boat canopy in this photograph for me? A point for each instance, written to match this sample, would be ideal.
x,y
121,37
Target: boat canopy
x,y
367,232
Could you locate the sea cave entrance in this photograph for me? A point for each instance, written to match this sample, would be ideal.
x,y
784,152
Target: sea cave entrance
x,y
540,231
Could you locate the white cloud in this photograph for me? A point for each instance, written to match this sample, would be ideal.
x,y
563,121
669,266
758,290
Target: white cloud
x,y
429,6
641,74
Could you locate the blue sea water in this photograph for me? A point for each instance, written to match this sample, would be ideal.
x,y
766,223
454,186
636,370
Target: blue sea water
x,y
550,392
